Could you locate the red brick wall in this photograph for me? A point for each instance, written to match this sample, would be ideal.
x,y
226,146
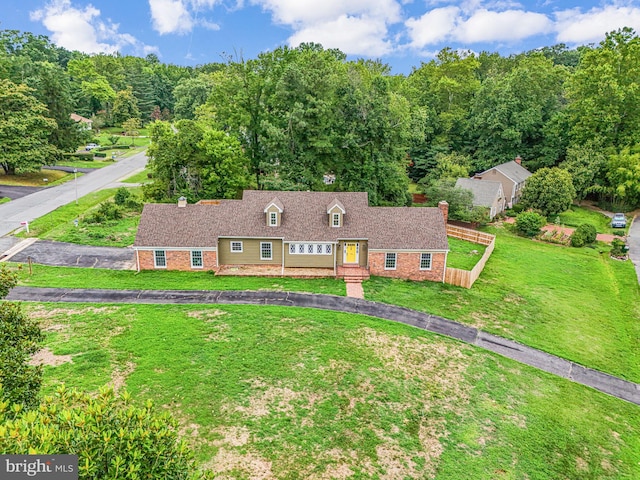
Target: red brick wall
x,y
177,260
408,266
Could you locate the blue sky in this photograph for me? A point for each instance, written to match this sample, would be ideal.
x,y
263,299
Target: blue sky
x,y
402,33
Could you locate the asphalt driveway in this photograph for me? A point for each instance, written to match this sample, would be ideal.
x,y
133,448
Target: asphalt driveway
x,y
14,191
62,254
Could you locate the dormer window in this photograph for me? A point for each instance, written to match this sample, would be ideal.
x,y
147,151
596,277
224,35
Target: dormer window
x,y
336,213
273,211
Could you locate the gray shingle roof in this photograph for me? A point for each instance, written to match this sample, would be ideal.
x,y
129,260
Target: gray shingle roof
x,y
513,170
304,219
484,191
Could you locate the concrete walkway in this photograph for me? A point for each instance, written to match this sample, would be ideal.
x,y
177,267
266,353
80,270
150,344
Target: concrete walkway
x,y
603,382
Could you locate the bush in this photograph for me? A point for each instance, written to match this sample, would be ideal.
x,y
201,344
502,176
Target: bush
x,y
121,196
618,248
88,156
529,223
112,437
585,234
100,155
105,212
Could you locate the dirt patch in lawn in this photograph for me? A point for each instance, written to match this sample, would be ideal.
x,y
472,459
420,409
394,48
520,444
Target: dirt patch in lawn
x,y
41,313
47,357
120,374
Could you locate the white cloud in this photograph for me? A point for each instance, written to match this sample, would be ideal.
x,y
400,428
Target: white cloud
x,y
488,26
434,26
170,16
82,29
576,28
451,24
357,27
352,35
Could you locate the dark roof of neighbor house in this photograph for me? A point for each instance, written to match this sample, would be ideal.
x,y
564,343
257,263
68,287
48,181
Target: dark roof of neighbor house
x,y
484,192
513,170
304,219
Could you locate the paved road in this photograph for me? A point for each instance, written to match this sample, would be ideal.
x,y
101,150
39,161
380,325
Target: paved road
x,y
44,201
62,254
633,241
530,356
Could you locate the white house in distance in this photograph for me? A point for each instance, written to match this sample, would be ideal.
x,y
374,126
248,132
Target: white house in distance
x,y
512,175
486,193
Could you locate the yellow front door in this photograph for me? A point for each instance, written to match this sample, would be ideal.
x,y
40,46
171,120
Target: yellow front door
x,y
351,253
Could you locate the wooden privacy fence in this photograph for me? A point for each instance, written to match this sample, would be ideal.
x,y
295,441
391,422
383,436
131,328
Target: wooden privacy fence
x,y
466,278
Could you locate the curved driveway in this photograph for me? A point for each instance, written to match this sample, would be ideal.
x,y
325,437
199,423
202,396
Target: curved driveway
x,y
549,363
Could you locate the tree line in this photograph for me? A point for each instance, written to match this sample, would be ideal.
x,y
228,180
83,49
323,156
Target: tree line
x,y
294,117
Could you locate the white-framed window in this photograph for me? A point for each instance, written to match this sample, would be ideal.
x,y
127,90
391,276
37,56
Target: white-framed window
x,y
425,261
266,252
335,219
390,260
236,247
273,219
196,259
159,259
310,249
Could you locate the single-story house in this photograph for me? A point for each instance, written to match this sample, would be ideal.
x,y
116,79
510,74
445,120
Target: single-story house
x,y
485,194
512,175
85,123
338,232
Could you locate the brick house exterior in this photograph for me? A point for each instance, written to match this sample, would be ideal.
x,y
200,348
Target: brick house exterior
x,y
337,233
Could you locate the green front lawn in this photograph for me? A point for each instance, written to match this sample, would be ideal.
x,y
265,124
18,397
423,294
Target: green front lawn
x,y
463,254
576,216
573,302
277,392
35,179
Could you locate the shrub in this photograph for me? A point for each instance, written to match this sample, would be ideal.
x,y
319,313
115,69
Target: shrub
x,y
88,156
585,234
121,196
106,211
529,223
112,437
618,248
100,155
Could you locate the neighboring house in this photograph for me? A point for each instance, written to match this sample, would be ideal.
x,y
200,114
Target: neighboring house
x,y
512,175
338,232
485,194
86,123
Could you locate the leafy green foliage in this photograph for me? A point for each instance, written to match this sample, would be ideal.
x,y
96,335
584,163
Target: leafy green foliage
x,y
105,212
585,234
24,130
529,223
112,437
460,200
20,338
549,190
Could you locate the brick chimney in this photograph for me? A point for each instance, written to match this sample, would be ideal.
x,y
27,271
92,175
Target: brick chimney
x,y
444,208
519,160
182,202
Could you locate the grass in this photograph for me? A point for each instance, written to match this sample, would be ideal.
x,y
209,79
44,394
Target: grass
x,y
71,277
576,216
140,177
36,179
463,254
4,200
277,392
59,225
575,303
85,163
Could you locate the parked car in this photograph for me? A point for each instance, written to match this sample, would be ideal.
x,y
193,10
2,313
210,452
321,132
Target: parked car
x,y
619,221
91,146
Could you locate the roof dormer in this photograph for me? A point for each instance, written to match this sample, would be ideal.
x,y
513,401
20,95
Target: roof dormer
x,y
273,213
336,213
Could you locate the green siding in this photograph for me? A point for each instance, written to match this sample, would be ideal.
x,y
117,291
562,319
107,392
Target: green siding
x,y
250,254
309,261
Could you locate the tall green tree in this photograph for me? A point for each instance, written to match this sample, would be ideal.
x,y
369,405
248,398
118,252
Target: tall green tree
x,y
604,93
190,93
515,114
25,130
20,338
125,106
549,190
